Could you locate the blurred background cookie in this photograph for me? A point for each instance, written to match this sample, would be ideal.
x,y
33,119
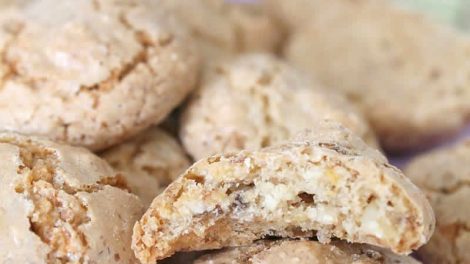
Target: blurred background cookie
x,y
256,100
149,162
444,175
62,204
222,29
91,73
409,75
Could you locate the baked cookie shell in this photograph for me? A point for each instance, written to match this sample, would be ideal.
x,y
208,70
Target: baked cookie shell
x,y
149,162
327,183
256,100
304,252
407,74
443,175
62,203
91,73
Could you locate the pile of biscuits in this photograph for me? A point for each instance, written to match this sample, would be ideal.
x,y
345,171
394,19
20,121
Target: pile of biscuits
x,y
212,132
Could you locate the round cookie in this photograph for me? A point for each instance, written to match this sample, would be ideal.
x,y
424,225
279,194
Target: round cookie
x,y
222,29
444,175
409,75
90,73
256,100
327,183
62,204
149,162
304,252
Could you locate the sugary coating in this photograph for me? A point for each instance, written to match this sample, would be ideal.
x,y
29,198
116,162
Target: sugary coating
x,y
256,100
409,75
149,162
62,204
90,73
444,175
327,183
304,252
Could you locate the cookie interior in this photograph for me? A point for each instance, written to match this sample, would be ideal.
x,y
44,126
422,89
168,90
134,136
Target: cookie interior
x,y
296,190
58,213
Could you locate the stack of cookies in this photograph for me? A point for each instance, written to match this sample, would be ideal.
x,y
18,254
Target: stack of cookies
x,y
205,131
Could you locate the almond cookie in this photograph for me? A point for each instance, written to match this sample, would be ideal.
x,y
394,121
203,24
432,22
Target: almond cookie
x,y
304,252
149,162
409,75
62,204
221,29
444,175
90,73
256,100
327,183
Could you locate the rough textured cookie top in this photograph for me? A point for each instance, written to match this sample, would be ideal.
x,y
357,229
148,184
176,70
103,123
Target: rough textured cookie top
x,y
304,252
149,162
256,100
444,175
410,76
90,72
327,183
62,204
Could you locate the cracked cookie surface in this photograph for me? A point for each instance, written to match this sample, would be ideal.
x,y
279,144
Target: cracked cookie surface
x,y
256,100
394,64
90,73
444,175
62,204
327,183
149,162
304,252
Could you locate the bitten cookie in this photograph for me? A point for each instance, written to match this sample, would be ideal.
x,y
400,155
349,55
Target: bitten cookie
x,y
221,29
444,175
256,100
62,204
327,183
149,162
304,252
90,73
410,77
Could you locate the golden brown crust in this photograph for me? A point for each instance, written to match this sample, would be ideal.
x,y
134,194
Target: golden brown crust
x,y
327,182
